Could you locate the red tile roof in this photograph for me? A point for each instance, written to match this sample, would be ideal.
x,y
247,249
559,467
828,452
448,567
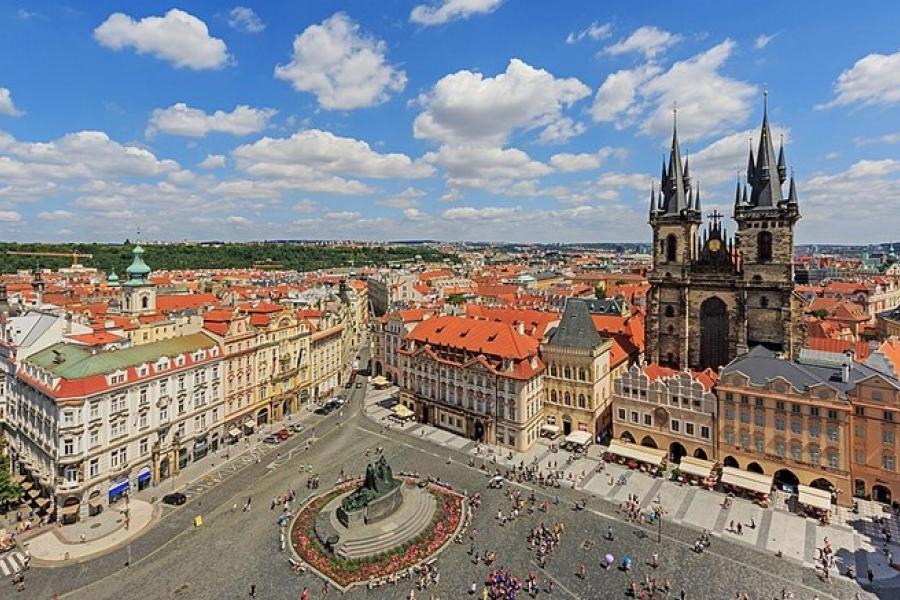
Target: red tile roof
x,y
177,302
478,336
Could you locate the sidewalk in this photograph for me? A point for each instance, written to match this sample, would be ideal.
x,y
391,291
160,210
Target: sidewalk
x,y
101,534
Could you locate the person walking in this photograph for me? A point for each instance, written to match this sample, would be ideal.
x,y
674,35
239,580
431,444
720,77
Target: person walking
x,y
304,595
253,590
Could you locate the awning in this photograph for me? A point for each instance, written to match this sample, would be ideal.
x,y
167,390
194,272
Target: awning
x,y
34,493
234,432
199,445
402,411
96,501
27,485
746,480
42,502
250,425
814,497
144,476
120,488
71,509
579,438
651,456
554,429
19,478
696,466
380,380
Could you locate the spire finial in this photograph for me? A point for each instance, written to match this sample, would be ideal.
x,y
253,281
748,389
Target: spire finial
x,y
765,99
675,113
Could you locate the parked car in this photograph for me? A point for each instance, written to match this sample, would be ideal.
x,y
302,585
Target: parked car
x,y
272,439
358,384
324,409
339,401
297,427
283,433
175,499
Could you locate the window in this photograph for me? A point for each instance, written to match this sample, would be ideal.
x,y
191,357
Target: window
x,y
795,408
860,411
796,426
68,447
888,462
859,456
764,246
675,425
648,420
796,452
622,414
164,414
833,458
780,423
94,467
832,414
670,312
815,429
760,419
745,440
759,442
888,415
729,414
144,424
764,302
689,429
759,402
95,438
145,446
68,417
779,405
95,410
833,433
581,401
635,417
815,455
876,395
704,432
814,411
887,436
745,416
745,399
671,248
552,395
71,474
729,437
779,448
729,397
181,406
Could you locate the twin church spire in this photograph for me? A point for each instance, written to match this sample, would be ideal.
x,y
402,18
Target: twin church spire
x,y
677,195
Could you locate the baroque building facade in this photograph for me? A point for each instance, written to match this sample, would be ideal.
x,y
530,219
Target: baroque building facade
x,y
713,297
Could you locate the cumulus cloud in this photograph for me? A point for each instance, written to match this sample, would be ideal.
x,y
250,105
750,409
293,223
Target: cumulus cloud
x,y
10,216
561,131
648,41
306,206
414,214
212,161
595,31
237,220
408,198
872,80
565,162
444,11
6,104
487,167
483,213
181,119
887,138
724,159
466,106
344,67
244,19
708,101
54,215
177,37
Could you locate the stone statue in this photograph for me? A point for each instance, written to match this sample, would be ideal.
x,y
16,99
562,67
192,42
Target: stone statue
x,y
379,481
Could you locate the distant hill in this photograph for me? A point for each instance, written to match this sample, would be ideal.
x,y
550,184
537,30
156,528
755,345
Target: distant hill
x,y
289,255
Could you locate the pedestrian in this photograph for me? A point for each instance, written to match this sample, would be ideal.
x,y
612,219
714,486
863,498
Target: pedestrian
x,y
752,523
609,533
253,590
740,529
81,538
304,595
683,595
870,575
731,526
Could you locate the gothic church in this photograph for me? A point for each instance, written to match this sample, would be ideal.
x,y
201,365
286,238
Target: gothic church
x,y
713,297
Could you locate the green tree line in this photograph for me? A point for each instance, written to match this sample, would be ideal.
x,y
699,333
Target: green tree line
x,y
296,256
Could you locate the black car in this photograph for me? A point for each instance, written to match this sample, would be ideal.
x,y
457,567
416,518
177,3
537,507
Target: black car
x,y
175,499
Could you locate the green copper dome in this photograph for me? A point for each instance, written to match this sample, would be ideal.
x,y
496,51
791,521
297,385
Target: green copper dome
x,y
138,271
112,279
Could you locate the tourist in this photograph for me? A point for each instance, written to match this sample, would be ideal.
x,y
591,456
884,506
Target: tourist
x,y
253,590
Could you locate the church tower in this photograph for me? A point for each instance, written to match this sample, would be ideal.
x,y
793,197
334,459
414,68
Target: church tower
x,y
675,218
765,239
138,292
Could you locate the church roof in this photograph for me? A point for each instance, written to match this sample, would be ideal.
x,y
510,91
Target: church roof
x,y
576,328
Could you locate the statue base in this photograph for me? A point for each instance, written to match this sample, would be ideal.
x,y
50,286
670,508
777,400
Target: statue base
x,y
376,510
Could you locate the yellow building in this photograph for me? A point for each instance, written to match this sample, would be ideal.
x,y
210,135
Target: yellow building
x,y
281,360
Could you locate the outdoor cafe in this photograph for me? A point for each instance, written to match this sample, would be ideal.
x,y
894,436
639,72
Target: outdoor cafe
x,y
814,502
649,460
402,413
696,471
578,441
755,486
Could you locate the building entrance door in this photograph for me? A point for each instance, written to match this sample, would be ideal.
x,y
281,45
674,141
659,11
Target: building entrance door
x,y
713,333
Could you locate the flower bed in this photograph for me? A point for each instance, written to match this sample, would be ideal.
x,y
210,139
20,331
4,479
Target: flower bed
x,y
346,572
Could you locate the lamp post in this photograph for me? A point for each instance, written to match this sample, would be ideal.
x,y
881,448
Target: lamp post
x,y
659,511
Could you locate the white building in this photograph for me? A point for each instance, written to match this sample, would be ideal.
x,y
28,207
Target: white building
x,y
87,426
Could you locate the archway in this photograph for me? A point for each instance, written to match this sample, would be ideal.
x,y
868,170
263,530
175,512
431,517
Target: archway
x,y
755,467
262,417
626,436
713,333
822,484
378,368
700,453
786,480
881,493
164,468
478,431
286,407
648,442
731,461
676,452
567,424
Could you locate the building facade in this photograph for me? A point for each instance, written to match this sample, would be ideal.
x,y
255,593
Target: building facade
x,y
658,407
480,379
713,297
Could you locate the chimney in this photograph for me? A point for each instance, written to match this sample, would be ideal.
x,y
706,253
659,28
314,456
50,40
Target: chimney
x,y
845,371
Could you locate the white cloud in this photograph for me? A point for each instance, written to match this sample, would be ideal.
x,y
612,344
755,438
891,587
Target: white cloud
x,y
237,220
408,198
10,216
486,167
306,206
244,19
51,215
708,102
212,161
872,80
344,67
181,119
595,31
647,40
466,106
414,214
762,40
617,99
343,215
6,104
724,159
561,131
888,138
313,151
565,162
178,37
483,213
445,11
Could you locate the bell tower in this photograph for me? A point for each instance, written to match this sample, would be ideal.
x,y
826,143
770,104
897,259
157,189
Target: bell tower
x,y
675,218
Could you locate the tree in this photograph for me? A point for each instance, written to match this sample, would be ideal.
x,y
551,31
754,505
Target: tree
x,y
820,314
600,291
456,299
10,491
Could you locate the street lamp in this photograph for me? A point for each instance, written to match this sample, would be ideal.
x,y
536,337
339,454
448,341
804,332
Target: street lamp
x,y
659,511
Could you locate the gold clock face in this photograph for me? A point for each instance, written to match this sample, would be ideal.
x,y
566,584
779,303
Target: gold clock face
x,y
714,245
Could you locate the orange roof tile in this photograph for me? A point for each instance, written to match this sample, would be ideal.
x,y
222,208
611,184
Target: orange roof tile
x,y
475,335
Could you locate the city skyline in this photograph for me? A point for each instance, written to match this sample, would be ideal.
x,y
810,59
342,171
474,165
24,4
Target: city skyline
x,y
417,121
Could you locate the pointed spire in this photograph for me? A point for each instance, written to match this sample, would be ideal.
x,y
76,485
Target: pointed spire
x,y
687,174
782,168
697,198
654,207
674,189
737,192
765,182
792,193
751,166
744,199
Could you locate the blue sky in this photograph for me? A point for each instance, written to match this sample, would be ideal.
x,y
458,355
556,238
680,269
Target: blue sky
x,y
448,119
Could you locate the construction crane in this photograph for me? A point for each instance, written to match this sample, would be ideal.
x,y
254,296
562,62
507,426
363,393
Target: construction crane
x,y
74,254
